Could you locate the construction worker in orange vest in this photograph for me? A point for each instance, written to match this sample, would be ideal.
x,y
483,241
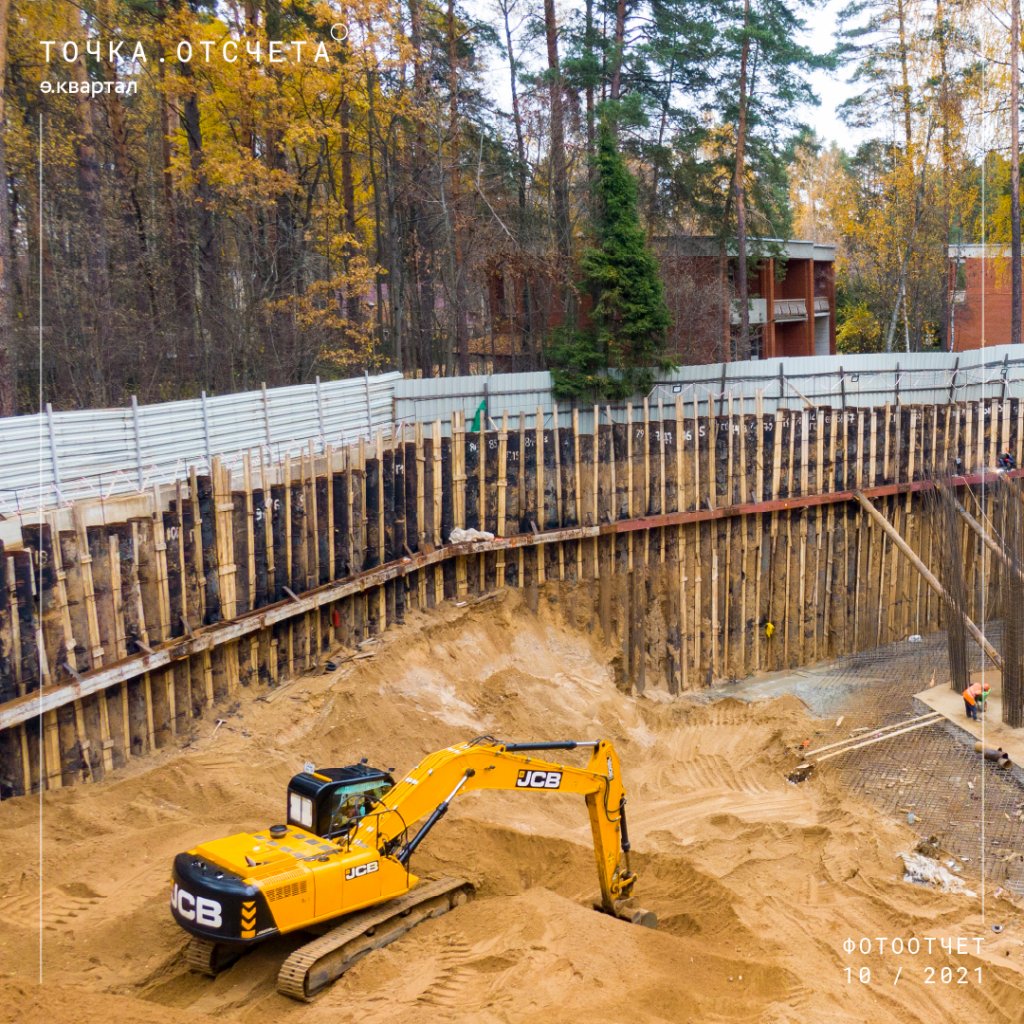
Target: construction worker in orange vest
x,y
973,696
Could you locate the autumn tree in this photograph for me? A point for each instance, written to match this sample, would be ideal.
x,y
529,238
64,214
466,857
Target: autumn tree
x,y
916,83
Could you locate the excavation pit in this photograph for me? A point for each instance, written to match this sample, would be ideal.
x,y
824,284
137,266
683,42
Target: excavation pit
x,y
755,881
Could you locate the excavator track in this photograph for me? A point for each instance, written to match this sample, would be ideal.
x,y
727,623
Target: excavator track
x,y
311,968
211,958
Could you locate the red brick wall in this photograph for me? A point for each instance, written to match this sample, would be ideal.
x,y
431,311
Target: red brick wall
x,y
966,316
693,293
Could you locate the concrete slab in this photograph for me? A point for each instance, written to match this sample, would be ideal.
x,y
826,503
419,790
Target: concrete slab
x,y
992,731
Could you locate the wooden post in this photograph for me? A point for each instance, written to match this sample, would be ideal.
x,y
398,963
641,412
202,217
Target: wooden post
x,y
556,441
759,447
630,512
223,507
502,496
577,494
541,518
199,591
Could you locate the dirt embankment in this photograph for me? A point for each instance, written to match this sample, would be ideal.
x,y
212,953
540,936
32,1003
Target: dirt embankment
x,y
757,883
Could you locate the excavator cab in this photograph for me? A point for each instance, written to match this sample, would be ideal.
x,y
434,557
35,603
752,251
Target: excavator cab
x,y
330,801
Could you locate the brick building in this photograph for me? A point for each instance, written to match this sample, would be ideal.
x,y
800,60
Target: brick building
x,y
792,299
792,305
975,270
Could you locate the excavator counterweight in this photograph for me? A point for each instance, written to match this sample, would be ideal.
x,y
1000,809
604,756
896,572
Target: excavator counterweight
x,y
341,861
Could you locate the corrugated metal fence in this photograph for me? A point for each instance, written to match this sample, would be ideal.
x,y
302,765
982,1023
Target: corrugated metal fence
x,y
58,457
921,378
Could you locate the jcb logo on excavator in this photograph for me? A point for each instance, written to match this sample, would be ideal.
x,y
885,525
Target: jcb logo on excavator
x,y
196,908
362,869
529,779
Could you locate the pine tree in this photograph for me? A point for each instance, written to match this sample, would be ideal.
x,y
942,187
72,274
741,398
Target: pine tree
x,y
629,319
763,82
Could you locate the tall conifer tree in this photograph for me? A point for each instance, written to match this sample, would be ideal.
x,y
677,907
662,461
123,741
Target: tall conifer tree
x,y
629,319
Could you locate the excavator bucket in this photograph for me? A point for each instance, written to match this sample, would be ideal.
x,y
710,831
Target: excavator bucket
x,y
631,911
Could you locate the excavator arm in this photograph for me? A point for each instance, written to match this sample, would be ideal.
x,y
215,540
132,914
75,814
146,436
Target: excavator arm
x,y
425,794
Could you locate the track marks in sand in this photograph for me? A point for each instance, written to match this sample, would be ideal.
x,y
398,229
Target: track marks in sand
x,y
62,906
436,973
453,977
692,903
679,817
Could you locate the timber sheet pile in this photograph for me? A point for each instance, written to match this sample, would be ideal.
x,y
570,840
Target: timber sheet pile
x,y
706,532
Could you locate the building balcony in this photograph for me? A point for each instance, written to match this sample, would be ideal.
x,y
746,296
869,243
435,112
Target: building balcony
x,y
821,306
790,310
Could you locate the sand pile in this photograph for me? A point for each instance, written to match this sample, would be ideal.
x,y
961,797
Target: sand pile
x,y
757,882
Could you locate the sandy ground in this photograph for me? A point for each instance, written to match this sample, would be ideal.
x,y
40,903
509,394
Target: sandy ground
x,y
757,882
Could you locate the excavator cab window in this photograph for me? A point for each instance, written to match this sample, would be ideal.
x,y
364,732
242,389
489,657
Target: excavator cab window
x,y
329,801
347,804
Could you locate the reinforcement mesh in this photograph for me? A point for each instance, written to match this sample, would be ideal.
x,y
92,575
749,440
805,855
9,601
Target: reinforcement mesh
x,y
932,777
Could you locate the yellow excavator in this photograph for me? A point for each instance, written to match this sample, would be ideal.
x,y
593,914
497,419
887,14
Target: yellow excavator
x,y
345,851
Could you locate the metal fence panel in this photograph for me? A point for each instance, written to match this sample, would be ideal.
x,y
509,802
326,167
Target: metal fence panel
x,y
59,457
56,458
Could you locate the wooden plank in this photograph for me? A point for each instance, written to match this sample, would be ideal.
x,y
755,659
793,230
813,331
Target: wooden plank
x,y
727,589
249,568
437,480
646,440
830,528
313,520
227,567
458,477
788,614
195,588
911,618
540,502
759,612
88,589
613,473
158,616
50,628
695,494
556,437
380,507
421,491
51,751
10,656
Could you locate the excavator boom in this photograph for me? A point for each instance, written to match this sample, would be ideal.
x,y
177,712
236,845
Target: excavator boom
x,y
488,764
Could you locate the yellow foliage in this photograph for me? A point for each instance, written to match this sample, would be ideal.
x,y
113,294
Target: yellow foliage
x,y
858,330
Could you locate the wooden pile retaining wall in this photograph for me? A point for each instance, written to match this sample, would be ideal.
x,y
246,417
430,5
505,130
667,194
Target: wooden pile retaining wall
x,y
123,621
